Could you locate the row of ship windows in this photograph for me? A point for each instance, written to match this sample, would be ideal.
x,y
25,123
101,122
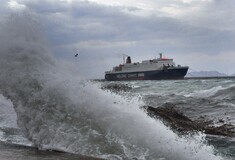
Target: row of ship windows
x,y
150,65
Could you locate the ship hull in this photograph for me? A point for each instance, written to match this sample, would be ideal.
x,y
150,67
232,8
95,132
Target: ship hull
x,y
163,74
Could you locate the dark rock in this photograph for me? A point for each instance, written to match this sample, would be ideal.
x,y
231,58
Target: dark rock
x,y
115,87
180,123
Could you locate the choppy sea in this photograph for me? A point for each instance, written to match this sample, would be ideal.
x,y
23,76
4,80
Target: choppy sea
x,y
47,105
120,130
213,99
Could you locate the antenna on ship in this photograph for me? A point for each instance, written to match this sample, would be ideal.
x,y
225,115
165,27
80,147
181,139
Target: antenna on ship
x,y
160,55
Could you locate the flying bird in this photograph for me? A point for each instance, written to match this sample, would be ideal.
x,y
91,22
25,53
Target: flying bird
x,y
76,55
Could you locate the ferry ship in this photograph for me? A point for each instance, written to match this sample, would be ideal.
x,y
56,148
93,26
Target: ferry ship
x,y
154,69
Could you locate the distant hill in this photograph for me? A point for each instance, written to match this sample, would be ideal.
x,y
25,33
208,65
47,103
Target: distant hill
x,y
232,74
206,74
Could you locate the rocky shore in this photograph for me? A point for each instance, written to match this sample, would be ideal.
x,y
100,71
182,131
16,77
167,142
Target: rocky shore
x,y
114,87
180,123
171,116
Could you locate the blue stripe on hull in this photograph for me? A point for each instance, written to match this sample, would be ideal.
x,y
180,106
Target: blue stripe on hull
x,y
167,74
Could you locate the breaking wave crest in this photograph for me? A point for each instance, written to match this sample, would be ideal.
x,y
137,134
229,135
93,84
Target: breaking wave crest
x,y
205,93
217,91
228,92
57,110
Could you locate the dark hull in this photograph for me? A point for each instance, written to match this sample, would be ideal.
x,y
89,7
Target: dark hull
x,y
164,74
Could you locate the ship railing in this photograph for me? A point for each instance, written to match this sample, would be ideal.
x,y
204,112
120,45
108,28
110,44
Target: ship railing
x,y
109,71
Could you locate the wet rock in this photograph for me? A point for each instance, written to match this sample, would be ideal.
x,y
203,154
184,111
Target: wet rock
x,y
180,123
115,87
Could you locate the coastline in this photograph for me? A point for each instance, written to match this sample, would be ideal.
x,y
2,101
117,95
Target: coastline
x,y
19,152
214,77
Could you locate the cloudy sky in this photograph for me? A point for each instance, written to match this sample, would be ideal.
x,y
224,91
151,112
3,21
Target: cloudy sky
x,y
197,33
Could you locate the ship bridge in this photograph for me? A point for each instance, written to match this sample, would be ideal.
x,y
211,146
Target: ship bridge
x,y
153,64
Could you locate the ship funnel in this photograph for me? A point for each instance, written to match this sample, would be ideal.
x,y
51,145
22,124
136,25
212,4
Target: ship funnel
x,y
160,55
128,60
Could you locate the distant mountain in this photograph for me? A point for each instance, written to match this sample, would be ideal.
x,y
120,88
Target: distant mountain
x,y
232,74
206,74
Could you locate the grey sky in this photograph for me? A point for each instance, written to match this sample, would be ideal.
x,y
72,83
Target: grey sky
x,y
198,33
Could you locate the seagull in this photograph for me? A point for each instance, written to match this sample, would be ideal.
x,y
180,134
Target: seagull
x,y
76,55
